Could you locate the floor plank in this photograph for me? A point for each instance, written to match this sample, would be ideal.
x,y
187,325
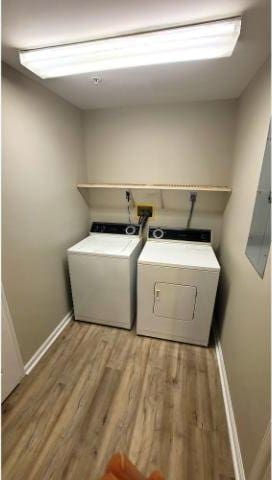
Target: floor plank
x,y
99,390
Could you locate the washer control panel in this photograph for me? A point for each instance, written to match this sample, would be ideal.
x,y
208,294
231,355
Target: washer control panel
x,y
184,234
118,228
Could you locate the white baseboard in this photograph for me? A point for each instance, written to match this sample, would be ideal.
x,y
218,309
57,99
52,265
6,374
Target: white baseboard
x,y
232,429
48,342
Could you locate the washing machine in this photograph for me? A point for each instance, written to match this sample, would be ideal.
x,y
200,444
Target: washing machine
x,y
103,270
178,275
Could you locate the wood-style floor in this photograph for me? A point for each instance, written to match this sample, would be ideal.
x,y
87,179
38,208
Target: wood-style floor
x,y
100,390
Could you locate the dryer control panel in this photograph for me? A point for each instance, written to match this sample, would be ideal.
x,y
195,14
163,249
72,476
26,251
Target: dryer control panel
x,y
183,234
118,228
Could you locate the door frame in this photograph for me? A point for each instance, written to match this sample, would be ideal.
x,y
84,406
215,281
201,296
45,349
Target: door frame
x,y
9,322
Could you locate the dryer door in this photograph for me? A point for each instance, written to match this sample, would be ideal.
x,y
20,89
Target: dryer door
x,y
174,301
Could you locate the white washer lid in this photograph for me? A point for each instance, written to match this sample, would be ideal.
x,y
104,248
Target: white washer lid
x,y
179,254
111,245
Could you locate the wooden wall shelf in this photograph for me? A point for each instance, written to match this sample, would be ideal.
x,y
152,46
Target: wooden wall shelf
x,y
172,186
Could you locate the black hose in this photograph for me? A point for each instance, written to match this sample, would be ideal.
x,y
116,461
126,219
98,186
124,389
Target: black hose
x,y
193,200
143,221
128,204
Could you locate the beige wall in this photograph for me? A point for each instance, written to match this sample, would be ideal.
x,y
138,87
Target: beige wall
x,y
245,297
43,213
185,143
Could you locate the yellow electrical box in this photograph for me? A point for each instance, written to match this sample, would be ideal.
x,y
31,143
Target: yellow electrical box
x,y
144,210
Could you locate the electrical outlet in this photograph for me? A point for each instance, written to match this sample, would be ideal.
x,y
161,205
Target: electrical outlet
x,y
144,210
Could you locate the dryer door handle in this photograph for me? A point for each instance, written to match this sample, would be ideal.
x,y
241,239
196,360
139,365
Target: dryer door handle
x,y
157,295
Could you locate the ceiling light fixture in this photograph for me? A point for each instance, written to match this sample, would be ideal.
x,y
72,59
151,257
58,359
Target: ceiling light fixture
x,y
177,44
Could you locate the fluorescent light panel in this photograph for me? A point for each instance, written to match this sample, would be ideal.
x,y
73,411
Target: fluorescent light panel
x,y
179,44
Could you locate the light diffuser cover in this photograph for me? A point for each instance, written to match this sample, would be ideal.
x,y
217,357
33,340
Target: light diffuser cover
x,y
178,44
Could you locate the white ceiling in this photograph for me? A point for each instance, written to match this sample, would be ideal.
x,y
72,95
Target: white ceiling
x,y
36,23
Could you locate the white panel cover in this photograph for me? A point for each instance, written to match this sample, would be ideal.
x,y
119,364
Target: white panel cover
x,y
174,301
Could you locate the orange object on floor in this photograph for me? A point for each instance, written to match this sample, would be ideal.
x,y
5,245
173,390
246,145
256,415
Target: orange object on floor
x,y
109,476
156,475
122,468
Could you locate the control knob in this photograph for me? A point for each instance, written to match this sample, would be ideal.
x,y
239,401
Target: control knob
x,y
158,233
130,230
